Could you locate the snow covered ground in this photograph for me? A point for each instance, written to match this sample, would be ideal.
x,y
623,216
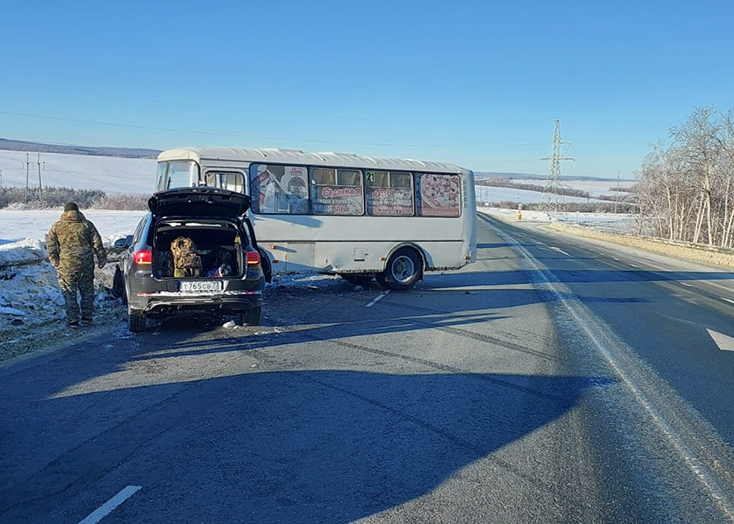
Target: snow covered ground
x,y
609,222
595,188
522,196
29,291
110,174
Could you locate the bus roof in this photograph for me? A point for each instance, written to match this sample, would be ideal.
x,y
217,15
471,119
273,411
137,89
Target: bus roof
x,y
296,156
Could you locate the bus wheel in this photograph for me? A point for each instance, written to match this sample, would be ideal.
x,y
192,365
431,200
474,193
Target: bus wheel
x,y
402,270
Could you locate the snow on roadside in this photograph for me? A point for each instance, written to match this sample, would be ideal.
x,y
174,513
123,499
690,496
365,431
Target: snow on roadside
x,y
29,290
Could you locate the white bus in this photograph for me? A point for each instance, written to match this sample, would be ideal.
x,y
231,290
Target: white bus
x,y
343,214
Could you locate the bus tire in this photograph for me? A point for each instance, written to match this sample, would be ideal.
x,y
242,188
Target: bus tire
x,y
403,269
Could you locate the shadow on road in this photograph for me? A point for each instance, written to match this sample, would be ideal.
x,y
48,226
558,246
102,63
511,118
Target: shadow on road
x,y
269,447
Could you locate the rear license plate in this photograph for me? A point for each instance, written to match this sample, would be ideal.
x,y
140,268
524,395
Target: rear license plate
x,y
209,286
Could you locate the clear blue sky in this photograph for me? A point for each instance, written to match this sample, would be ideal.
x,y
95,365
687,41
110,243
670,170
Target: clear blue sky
x,y
479,83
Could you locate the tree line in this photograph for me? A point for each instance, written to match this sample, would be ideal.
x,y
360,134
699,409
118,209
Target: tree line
x,y
685,191
53,197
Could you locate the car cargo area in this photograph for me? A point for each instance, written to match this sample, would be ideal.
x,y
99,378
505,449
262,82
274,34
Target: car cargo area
x,y
197,250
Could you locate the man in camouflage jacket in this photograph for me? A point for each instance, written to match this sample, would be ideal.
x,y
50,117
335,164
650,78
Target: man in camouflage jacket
x,y
72,243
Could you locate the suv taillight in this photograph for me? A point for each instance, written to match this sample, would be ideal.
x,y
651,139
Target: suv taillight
x,y
143,257
253,257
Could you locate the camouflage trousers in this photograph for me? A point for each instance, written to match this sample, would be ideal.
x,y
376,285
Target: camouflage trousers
x,y
81,280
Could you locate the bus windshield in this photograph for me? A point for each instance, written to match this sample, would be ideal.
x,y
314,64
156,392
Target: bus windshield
x,y
177,173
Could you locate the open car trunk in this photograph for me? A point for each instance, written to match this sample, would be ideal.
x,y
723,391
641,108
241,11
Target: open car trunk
x,y
197,249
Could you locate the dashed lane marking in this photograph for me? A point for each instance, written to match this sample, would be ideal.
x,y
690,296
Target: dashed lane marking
x,y
106,508
378,298
560,250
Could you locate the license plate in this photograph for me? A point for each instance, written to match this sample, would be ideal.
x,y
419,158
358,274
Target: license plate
x,y
209,286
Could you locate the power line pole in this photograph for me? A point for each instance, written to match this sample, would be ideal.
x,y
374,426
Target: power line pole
x,y
616,194
40,185
553,190
27,170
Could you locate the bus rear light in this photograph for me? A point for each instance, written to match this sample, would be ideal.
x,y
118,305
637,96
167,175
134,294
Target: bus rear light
x,y
253,258
143,257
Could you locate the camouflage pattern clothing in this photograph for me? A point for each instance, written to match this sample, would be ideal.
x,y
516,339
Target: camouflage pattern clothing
x,y
72,243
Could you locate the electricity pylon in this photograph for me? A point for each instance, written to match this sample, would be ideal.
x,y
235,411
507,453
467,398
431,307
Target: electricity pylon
x,y
553,189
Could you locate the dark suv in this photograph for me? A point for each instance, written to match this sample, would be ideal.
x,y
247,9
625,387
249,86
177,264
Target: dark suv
x,y
194,251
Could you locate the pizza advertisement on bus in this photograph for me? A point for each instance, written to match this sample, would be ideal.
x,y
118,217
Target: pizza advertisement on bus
x,y
338,200
437,195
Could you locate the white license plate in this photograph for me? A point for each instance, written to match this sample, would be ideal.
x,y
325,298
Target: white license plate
x,y
211,286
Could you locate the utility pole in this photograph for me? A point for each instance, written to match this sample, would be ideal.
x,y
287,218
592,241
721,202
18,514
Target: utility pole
x,y
549,202
40,185
616,194
27,170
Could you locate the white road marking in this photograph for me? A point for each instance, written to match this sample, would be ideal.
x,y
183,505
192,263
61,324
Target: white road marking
x,y
686,284
560,250
379,297
106,508
614,353
725,342
728,300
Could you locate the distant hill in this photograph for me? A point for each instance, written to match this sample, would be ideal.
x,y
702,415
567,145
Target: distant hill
x,y
35,147
525,176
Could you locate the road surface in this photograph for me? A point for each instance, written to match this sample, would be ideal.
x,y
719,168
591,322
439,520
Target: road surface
x,y
555,380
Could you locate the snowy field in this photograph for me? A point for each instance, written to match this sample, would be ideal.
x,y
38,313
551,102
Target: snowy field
x,y
110,174
19,224
523,196
595,188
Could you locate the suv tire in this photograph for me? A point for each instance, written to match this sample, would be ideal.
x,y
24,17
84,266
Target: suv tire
x,y
252,317
136,321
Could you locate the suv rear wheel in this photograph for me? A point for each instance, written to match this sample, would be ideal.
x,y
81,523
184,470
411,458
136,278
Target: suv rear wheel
x,y
251,317
136,321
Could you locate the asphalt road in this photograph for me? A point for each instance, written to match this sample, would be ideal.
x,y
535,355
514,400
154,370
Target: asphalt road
x,y
555,380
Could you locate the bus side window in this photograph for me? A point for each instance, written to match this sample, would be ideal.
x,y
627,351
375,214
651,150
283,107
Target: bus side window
x,y
230,181
337,191
279,189
389,193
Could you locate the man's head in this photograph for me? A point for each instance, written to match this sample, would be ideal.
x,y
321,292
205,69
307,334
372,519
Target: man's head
x,y
71,206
